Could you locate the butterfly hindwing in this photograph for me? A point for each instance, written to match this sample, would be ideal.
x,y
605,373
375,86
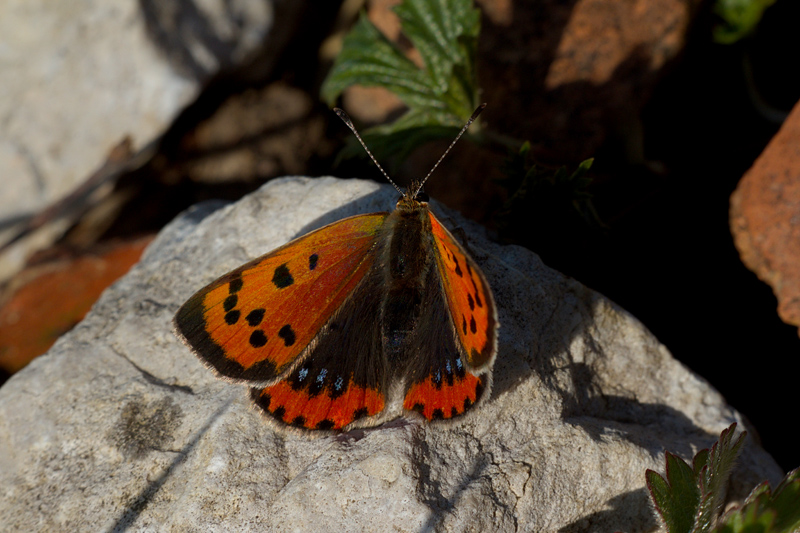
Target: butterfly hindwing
x,y
440,385
343,377
253,323
468,298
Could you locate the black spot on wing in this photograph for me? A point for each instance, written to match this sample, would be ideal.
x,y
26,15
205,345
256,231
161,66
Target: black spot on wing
x,y
258,339
232,317
287,334
235,285
471,302
230,302
473,327
261,398
312,261
255,317
282,278
325,424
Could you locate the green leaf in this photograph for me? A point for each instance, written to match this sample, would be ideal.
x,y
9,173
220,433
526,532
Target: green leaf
x,y
740,18
786,502
368,58
678,497
691,497
713,477
445,32
767,512
441,94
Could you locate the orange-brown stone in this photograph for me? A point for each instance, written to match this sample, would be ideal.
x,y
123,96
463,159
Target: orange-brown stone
x,y
765,217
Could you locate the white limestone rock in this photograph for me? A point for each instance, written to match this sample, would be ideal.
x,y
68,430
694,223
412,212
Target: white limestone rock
x,y
76,78
120,426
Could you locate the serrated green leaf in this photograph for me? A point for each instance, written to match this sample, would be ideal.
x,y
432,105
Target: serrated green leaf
x,y
677,497
659,489
786,503
443,93
764,511
748,521
714,476
368,58
445,33
700,460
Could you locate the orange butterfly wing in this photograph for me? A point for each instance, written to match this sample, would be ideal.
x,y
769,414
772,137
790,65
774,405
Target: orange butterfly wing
x,y
449,390
459,323
343,378
469,298
254,322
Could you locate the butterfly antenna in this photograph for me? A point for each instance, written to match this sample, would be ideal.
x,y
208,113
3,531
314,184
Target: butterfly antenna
x,y
460,133
346,119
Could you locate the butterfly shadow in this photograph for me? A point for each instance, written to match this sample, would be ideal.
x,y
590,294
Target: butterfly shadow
x,y
564,334
596,408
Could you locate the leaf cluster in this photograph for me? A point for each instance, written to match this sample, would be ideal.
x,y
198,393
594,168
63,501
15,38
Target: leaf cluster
x,y
554,195
439,95
690,498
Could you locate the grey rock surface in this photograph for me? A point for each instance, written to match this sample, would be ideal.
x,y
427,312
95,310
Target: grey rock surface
x,y
120,427
77,78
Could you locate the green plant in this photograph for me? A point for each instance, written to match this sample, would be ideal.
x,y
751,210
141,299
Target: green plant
x,y
690,498
540,199
440,95
739,18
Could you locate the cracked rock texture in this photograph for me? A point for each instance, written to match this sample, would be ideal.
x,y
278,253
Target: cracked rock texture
x,y
120,427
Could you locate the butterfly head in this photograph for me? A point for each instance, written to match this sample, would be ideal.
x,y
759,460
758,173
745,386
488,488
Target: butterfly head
x,y
413,197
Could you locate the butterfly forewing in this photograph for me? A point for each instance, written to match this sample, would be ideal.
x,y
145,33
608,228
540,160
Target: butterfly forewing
x,y
468,296
253,323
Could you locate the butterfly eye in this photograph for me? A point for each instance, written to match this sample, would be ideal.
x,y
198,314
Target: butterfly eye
x,y
422,196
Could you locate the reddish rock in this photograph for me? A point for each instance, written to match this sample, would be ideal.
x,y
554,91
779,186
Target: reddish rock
x,y
765,217
570,76
50,298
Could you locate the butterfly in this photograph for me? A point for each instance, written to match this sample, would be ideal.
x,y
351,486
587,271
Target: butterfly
x,y
340,327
